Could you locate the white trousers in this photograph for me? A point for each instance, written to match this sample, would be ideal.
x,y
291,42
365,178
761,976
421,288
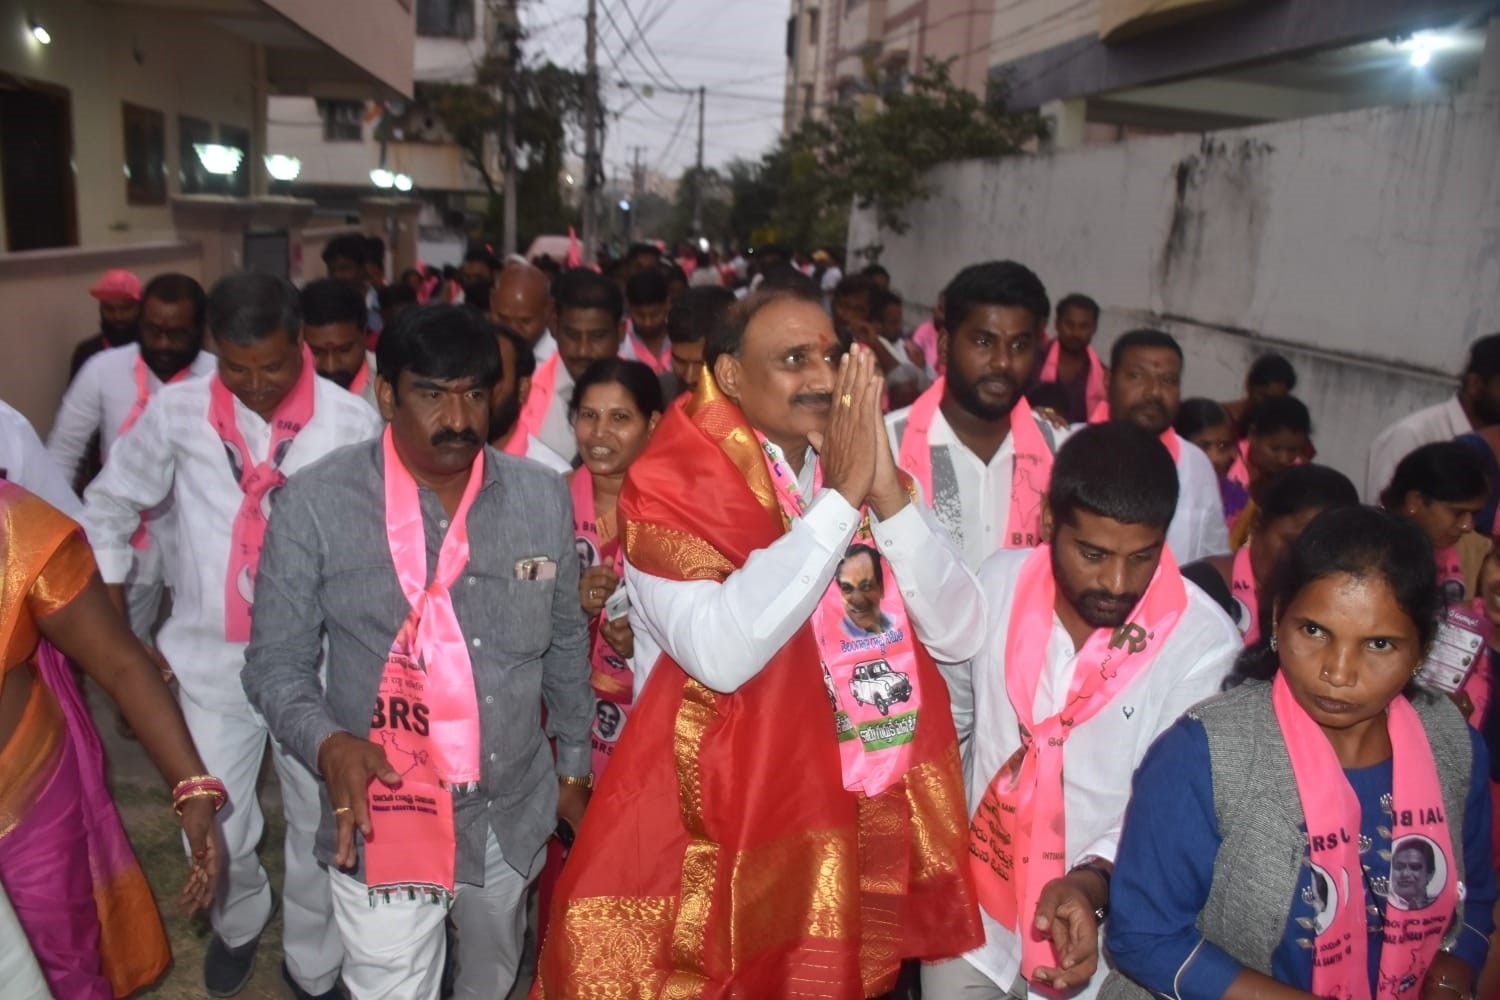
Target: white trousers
x,y
394,950
232,745
20,977
956,979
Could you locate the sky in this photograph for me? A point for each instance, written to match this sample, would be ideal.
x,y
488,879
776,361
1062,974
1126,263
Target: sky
x,y
734,48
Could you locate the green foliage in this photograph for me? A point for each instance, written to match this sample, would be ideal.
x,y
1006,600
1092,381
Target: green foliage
x,y
873,153
549,98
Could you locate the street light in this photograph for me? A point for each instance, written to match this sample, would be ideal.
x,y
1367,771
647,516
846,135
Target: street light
x,y
218,159
403,182
41,34
282,167
382,178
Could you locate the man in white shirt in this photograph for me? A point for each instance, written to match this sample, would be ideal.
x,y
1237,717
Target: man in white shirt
x,y
24,460
961,448
1476,404
109,395
333,325
735,521
1145,388
590,326
1099,623
517,367
522,300
220,447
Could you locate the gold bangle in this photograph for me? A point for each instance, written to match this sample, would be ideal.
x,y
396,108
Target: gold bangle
x,y
587,781
193,777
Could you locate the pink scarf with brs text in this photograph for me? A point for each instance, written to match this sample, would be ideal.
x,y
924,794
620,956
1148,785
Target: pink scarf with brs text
x,y
609,673
1093,393
871,677
657,361
1411,936
258,483
1018,835
427,714
1030,470
543,386
1169,438
361,378
142,537
1242,586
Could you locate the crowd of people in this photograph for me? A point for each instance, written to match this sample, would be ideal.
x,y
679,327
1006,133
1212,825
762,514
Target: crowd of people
x,y
706,632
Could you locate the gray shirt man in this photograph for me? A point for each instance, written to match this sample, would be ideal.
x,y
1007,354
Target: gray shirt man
x,y
326,570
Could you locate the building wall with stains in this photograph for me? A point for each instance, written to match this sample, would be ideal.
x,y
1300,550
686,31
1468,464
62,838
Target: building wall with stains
x,y
1364,246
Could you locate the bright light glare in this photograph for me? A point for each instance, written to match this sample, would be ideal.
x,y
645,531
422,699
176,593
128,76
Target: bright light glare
x,y
282,167
218,159
624,205
403,182
703,243
1423,44
569,179
41,34
382,178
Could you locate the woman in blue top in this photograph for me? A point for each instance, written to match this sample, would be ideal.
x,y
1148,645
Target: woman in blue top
x,y
1216,892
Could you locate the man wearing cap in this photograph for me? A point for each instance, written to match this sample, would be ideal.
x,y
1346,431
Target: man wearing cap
x,y
119,295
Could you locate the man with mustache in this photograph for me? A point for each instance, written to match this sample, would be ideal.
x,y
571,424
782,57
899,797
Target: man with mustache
x,y
517,366
442,575
824,841
220,449
119,295
1145,388
333,324
108,396
590,313
1092,645
982,457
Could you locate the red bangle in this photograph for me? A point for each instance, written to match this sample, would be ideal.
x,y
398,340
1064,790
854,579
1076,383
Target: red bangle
x,y
202,786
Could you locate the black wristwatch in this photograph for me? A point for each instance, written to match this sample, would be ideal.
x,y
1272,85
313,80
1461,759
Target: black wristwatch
x,y
1103,869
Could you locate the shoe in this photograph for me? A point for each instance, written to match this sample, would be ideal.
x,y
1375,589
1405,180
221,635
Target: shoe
x,y
226,970
300,993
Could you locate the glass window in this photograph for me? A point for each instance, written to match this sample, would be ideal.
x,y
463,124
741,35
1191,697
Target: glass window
x,y
343,121
145,156
445,18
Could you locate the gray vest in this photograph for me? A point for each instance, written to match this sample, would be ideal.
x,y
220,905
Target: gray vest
x,y
1260,821
945,501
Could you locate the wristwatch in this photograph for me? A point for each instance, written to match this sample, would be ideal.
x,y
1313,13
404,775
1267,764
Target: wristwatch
x,y
1099,867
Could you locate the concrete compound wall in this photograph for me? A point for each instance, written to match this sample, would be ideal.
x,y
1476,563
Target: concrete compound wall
x,y
1365,246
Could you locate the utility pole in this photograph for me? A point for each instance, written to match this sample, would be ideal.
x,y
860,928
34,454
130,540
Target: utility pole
x,y
637,188
698,173
591,132
508,33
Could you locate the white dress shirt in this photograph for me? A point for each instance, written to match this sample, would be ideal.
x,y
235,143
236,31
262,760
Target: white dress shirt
x,y
1198,529
98,400
545,347
556,431
723,634
368,392
1102,753
539,452
25,462
977,524
1443,422
173,450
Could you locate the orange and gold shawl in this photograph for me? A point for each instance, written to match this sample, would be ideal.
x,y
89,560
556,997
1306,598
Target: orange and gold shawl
x,y
721,856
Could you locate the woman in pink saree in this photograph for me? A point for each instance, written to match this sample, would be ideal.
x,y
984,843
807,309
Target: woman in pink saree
x,y
71,876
